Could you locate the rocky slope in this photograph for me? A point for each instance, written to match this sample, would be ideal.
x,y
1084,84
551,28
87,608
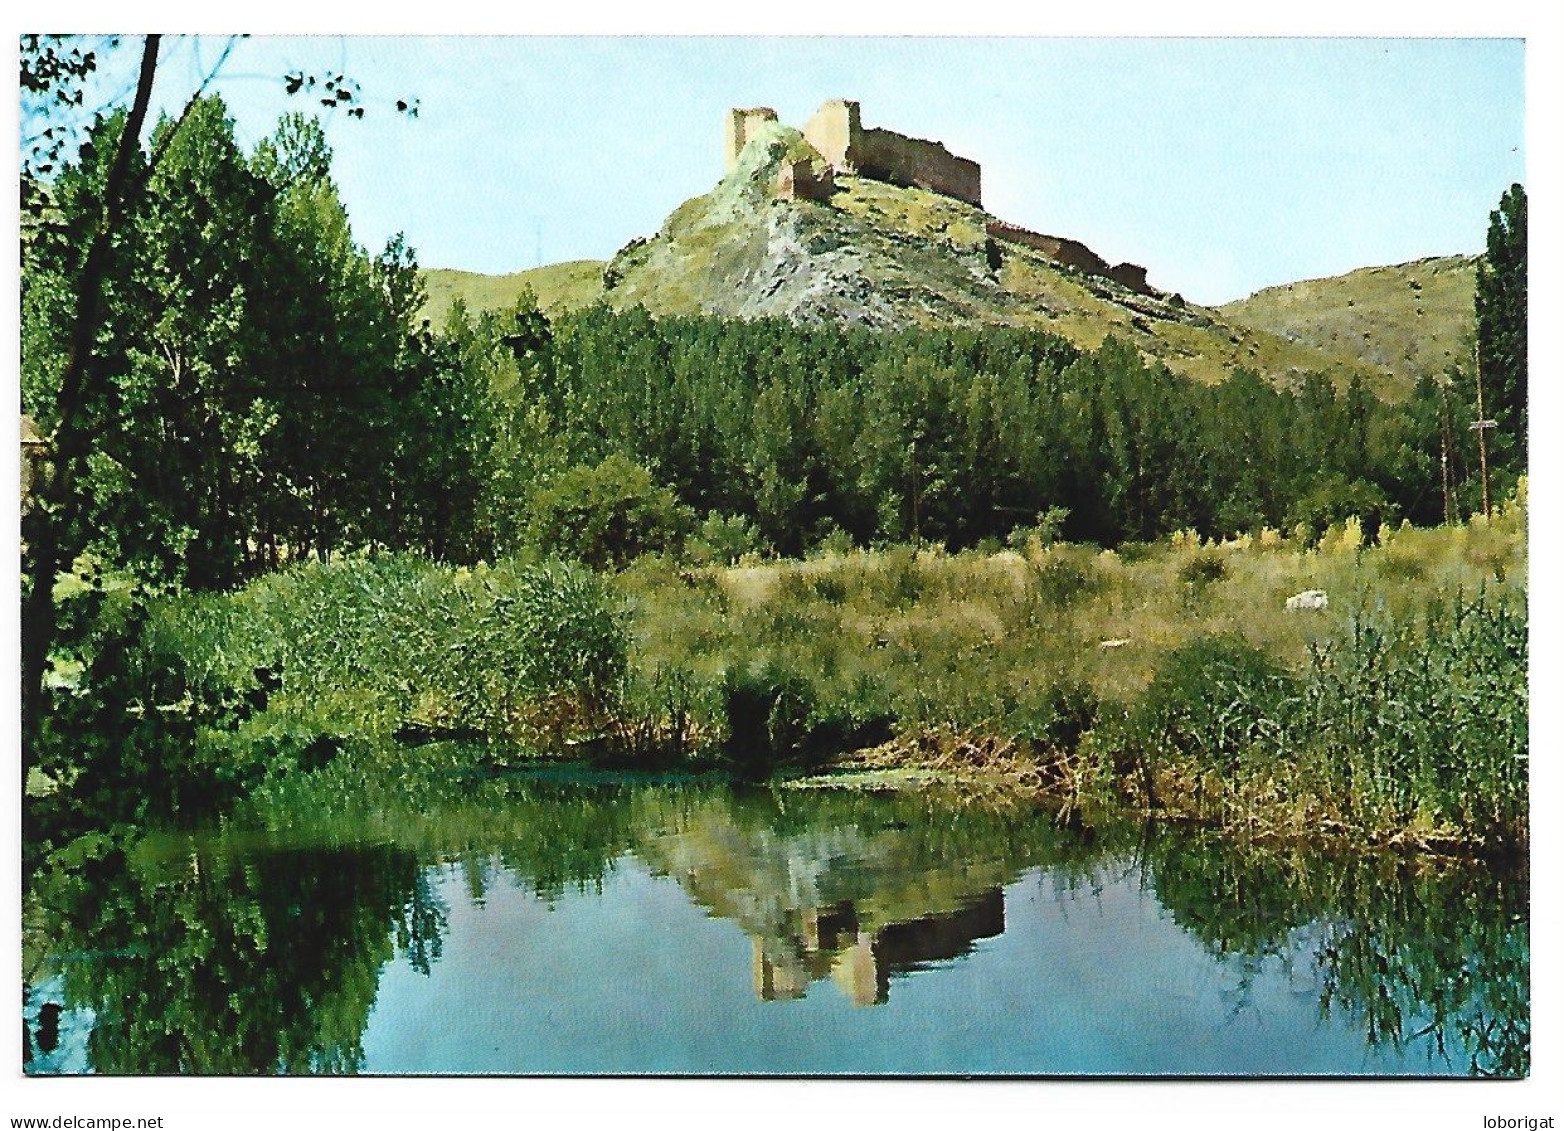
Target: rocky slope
x,y
879,255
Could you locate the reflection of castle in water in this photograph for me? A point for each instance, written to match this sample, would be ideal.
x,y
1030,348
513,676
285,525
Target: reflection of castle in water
x,y
831,942
853,903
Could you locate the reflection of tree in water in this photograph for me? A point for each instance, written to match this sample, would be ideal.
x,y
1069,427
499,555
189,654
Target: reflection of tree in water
x,y
257,963
228,955
1428,957
552,832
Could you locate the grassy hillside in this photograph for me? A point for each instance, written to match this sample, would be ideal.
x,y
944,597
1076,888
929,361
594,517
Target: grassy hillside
x,y
559,286
1406,319
880,255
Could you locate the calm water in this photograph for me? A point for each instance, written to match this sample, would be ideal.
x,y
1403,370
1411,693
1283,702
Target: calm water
x,y
557,924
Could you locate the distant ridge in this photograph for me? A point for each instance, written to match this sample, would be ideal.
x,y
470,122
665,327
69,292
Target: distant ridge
x,y
1407,318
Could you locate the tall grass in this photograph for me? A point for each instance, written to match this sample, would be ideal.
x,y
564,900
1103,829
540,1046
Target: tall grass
x,y
371,648
1168,676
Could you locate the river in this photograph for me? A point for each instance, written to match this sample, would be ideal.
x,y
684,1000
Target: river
x,y
570,922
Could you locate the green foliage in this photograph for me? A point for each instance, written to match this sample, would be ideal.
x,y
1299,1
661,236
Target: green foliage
x,y
1056,721
1043,532
607,515
1203,569
1212,700
1427,721
263,393
722,540
261,389
1501,322
529,651
1333,501
952,436
774,714
1065,576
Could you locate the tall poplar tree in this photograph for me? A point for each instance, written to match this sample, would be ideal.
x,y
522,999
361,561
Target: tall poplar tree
x,y
1501,325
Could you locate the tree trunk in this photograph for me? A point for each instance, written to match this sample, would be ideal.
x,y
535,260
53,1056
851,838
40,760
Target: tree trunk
x,y
59,507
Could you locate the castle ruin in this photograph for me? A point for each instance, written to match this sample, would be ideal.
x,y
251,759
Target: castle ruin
x,y
740,126
837,134
1072,253
843,146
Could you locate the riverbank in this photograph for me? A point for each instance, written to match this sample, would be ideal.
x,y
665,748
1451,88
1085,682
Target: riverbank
x,y
1168,679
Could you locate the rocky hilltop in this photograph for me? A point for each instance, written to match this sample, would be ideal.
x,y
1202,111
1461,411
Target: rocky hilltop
x,y
877,254
781,236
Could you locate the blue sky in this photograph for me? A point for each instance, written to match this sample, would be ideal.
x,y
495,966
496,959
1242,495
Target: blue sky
x,y
1223,165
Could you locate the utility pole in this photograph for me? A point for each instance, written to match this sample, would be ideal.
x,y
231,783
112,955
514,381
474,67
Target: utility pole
x,y
1444,448
916,541
1482,426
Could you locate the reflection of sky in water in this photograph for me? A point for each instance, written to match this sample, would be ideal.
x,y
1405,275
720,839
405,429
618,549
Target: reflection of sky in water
x,y
639,979
58,1045
712,930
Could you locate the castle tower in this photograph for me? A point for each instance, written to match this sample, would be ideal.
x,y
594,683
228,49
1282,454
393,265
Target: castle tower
x,y
836,131
739,127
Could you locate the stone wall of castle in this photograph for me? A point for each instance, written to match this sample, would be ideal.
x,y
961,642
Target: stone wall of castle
x,y
804,179
1072,253
833,131
837,132
1131,275
739,127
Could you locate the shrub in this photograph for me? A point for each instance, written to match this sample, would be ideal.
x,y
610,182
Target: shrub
x,y
1334,501
1212,699
1202,569
1063,578
834,543
774,714
1040,534
723,539
606,515
1057,720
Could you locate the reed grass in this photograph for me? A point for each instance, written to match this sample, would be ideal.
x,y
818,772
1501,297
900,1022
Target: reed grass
x,y
1169,676
1166,677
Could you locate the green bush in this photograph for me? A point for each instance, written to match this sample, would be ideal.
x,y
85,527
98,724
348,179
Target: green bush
x,y
1055,721
1065,577
723,539
1333,501
1202,569
1212,700
774,714
834,543
1043,532
606,515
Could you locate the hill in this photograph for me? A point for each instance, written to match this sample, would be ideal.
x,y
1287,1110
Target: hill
x,y
879,254
558,286
1406,319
